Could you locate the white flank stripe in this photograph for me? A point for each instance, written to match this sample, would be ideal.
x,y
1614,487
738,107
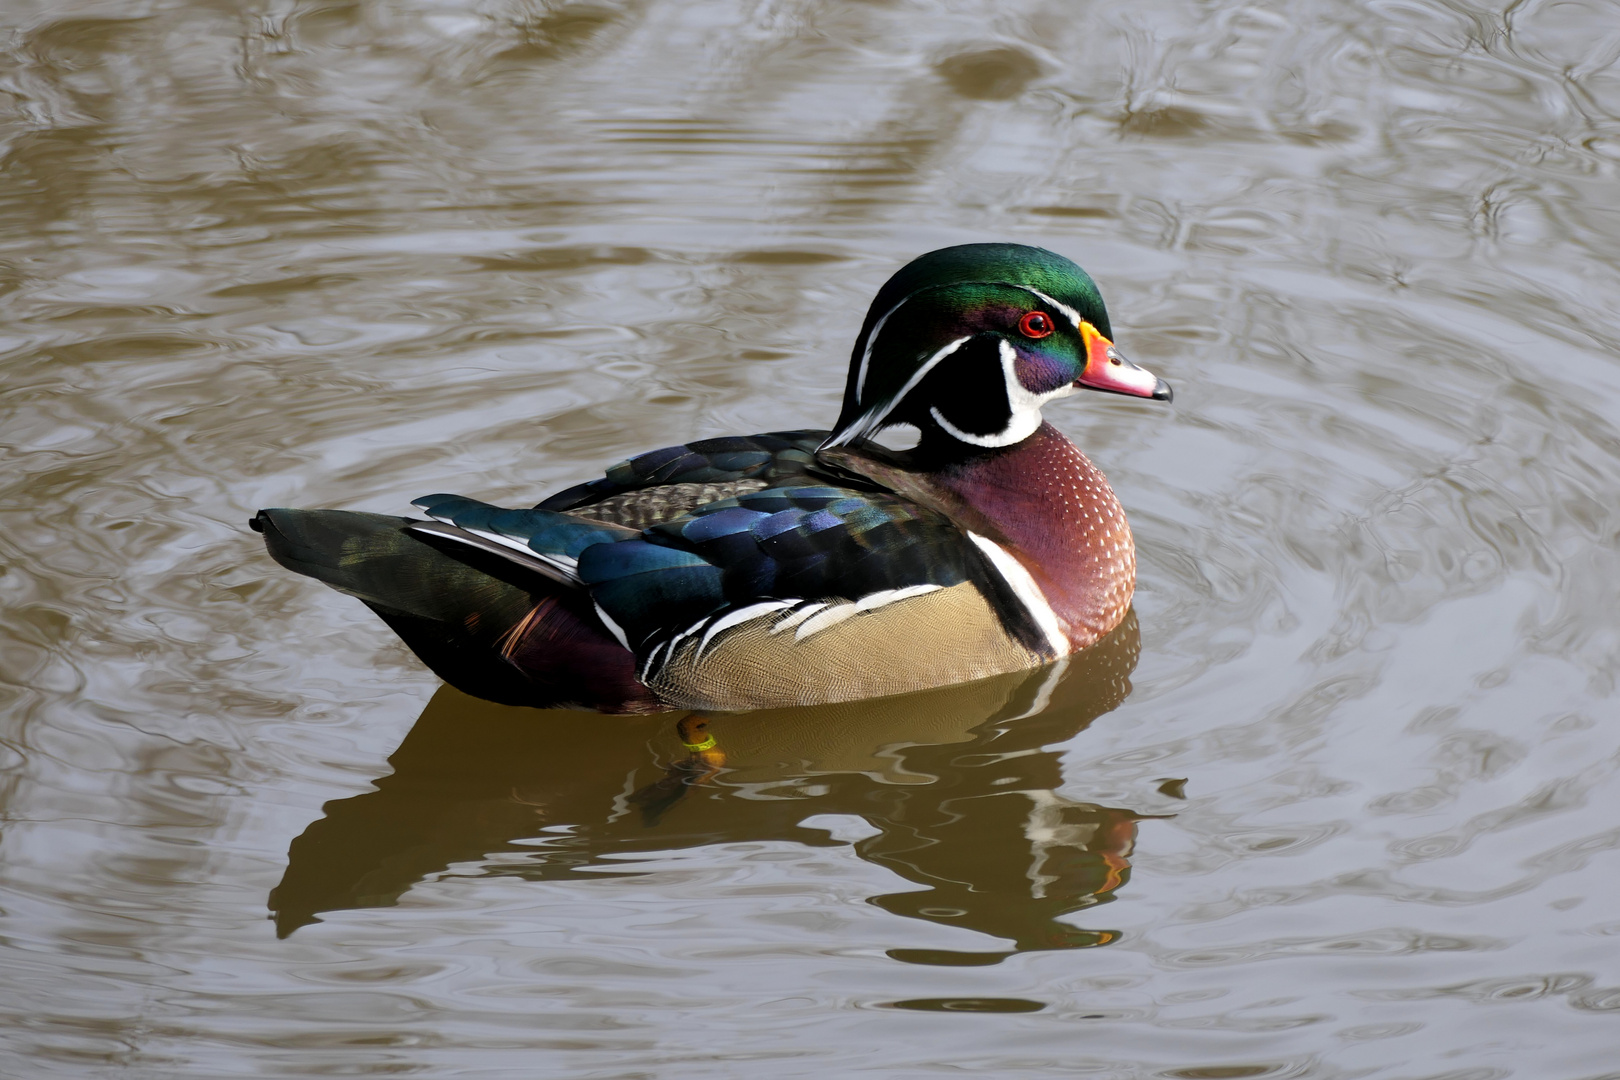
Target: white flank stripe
x,y
1029,594
738,617
788,622
675,641
652,660
613,627
812,618
831,617
873,601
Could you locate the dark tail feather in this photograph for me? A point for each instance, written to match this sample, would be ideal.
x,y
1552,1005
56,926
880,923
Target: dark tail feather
x,y
482,624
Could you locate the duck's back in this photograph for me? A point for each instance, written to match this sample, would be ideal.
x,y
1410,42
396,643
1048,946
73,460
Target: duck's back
x,y
661,485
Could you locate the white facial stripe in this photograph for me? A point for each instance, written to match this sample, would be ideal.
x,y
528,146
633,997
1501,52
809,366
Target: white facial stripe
x,y
874,418
1025,405
962,436
866,355
1029,594
1073,315
877,329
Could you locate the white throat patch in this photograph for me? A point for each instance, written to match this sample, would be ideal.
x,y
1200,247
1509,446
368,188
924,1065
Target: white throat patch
x,y
1025,407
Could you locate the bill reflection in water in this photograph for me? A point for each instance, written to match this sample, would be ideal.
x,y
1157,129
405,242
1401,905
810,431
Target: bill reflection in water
x,y
957,782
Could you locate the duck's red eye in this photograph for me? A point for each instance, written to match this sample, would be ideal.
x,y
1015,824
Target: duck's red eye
x,y
1037,324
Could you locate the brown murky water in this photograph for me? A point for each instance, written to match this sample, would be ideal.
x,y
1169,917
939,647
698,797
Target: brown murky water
x,y
343,253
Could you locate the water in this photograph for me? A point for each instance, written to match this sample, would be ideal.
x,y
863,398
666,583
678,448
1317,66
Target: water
x,y
1350,815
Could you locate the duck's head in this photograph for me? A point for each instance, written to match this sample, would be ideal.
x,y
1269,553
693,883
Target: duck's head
x,y
967,343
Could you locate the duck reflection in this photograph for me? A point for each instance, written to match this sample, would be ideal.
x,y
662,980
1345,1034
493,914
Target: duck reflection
x,y
955,782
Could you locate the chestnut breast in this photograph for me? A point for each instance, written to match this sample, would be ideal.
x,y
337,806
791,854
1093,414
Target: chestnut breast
x,y
1059,518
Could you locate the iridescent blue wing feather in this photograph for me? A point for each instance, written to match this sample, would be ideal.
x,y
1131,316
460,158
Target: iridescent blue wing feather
x,y
769,550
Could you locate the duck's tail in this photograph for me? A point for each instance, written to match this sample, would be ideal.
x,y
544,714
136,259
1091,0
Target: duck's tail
x,y
482,624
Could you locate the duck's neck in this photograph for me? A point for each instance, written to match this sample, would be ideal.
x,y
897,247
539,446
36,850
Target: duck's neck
x,y
1054,512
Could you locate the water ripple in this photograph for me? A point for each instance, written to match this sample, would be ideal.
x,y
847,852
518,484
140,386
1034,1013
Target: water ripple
x,y
308,253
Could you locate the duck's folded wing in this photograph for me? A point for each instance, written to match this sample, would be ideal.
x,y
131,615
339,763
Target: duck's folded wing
x,y
543,541
662,485
787,566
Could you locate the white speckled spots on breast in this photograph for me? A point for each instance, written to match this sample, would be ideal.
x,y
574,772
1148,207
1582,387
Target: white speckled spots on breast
x,y
1062,521
1090,590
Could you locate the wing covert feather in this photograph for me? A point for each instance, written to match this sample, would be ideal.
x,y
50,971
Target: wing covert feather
x,y
813,541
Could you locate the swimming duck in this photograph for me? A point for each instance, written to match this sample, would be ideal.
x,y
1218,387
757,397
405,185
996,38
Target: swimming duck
x,y
792,567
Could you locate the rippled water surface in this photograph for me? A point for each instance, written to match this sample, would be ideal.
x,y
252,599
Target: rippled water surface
x,y
1339,801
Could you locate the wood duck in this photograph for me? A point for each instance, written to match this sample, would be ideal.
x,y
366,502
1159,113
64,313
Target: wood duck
x,y
793,567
